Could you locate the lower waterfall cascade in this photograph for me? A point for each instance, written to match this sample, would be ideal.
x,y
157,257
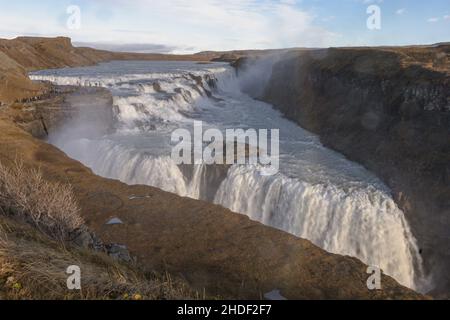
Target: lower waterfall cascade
x,y
317,195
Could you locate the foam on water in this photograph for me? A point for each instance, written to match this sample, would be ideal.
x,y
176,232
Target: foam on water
x,y
318,194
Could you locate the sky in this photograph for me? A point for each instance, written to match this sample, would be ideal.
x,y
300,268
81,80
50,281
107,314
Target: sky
x,y
184,26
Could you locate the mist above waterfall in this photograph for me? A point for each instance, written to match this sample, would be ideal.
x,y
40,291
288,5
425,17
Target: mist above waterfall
x,y
254,74
318,194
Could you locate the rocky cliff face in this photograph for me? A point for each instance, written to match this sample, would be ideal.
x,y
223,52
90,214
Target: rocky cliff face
x,y
388,109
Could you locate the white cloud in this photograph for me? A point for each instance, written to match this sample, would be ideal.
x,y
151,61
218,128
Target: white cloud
x,y
233,24
372,1
190,25
292,2
400,11
433,20
329,18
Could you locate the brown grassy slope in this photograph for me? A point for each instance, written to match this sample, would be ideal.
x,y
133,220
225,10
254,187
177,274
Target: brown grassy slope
x,y
33,266
42,234
37,53
14,83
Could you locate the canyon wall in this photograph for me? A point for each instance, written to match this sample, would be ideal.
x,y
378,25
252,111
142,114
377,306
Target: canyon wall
x,y
388,109
211,247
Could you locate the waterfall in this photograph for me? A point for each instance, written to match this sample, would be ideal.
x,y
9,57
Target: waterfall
x,y
366,224
319,195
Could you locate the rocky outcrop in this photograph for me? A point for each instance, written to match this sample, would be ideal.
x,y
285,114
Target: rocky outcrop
x,y
57,106
388,109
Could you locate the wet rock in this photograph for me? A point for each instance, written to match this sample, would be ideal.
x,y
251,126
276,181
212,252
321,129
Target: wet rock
x,y
83,238
371,121
119,252
157,87
410,109
187,96
211,81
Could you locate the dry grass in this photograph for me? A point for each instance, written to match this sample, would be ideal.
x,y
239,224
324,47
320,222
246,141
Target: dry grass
x,y
49,206
33,266
37,219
